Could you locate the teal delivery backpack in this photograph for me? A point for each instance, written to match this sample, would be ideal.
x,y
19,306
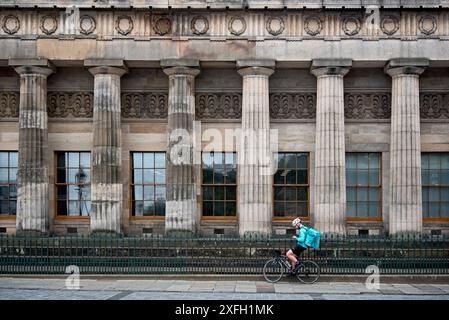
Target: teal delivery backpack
x,y
313,238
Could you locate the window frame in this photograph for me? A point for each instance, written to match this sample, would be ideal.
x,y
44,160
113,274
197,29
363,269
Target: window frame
x,y
289,218
430,219
4,216
224,217
131,184
367,219
56,184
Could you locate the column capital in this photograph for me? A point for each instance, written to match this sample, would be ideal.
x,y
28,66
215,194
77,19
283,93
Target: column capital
x,y
330,67
38,66
411,66
106,66
188,67
253,67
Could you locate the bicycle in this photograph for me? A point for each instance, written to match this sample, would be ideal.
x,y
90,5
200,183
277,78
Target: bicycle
x,y
307,272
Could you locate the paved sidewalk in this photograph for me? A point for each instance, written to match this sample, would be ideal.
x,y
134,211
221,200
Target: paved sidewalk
x,y
117,289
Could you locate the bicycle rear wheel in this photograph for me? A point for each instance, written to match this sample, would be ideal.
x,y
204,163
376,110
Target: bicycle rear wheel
x,y
308,272
273,270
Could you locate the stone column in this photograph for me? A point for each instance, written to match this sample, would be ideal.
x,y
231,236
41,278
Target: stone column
x,y
330,176
405,146
106,185
181,215
255,189
32,179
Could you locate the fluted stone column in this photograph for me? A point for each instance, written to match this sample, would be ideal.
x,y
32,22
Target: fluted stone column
x,y
330,178
32,179
405,146
106,185
181,214
255,190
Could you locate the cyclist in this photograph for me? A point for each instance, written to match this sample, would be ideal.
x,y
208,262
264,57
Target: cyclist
x,y
293,254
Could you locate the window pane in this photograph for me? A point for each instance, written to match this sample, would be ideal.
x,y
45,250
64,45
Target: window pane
x,y
425,175
85,208
73,176
73,208
218,158
73,192
219,193
291,176
4,159
160,176
62,192
4,192
74,159
302,193
148,160
444,207
351,161
160,193
425,209
231,209
434,194
160,208
374,161
279,193
62,208
148,176
351,177
4,176
207,160
302,209
425,161
374,179
290,194
86,173
218,208
84,192
374,210
138,208
374,194
281,160
362,209
230,174
138,193
148,208
290,159
218,173
62,163
159,160
208,193
230,159
207,175
425,194
445,161
85,159
434,161
302,160
137,160
290,209
208,209
434,211
302,176
148,193
231,193
444,192
14,159
12,192
362,177
4,207
362,194
434,177
444,179
12,207
279,209
351,194
279,176
362,161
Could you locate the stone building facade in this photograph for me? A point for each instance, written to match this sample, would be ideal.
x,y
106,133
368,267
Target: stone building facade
x,y
96,96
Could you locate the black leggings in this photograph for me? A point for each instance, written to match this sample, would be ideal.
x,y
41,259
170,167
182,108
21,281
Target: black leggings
x,y
298,250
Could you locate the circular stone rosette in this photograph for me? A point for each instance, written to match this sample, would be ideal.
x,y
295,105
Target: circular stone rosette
x,y
427,25
389,25
10,24
49,24
313,25
275,26
199,25
124,25
162,26
237,26
351,26
87,25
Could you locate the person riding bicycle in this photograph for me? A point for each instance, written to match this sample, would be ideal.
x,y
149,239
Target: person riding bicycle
x,y
294,253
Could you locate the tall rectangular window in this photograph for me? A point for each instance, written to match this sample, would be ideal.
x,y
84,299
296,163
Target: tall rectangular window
x,y
291,185
8,182
148,184
435,185
363,186
219,184
73,184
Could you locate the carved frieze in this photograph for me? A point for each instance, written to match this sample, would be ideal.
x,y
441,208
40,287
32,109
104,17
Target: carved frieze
x,y
162,26
87,25
10,24
389,25
275,26
313,25
367,105
199,25
293,105
9,104
351,25
218,106
124,25
237,25
427,25
144,105
434,106
49,24
70,104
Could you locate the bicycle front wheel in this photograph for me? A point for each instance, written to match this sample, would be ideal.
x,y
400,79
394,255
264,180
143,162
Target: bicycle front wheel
x,y
308,272
273,270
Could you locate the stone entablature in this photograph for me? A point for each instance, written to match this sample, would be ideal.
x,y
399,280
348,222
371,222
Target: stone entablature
x,y
223,25
222,4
